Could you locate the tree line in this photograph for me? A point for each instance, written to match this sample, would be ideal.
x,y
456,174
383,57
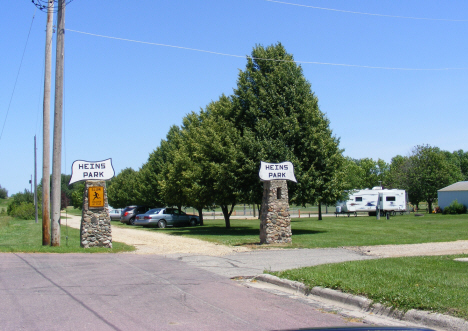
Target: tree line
x,y
213,158
422,173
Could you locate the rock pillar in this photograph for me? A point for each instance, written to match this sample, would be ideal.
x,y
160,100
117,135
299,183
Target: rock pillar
x,y
95,221
275,226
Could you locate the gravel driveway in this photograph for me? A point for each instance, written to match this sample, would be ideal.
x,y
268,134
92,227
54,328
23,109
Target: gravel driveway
x,y
154,242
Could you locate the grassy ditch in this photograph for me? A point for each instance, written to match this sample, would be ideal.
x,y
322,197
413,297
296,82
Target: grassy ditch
x,y
26,236
335,231
436,283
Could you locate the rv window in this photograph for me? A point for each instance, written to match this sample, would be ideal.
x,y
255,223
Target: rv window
x,y
390,198
358,198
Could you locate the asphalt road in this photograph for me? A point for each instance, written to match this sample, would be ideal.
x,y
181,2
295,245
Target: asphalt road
x,y
142,292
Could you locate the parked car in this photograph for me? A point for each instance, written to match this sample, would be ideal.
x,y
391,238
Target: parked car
x,y
162,217
129,213
115,214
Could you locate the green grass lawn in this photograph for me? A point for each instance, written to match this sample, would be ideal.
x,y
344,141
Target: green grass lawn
x,y
26,236
335,231
72,211
427,283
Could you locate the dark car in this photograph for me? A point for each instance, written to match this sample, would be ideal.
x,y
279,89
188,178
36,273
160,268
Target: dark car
x,y
129,213
162,217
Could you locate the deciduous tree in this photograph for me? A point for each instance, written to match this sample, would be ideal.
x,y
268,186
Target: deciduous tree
x,y
425,171
121,191
212,143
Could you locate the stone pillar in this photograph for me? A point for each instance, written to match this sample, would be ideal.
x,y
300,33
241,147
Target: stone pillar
x,y
95,221
275,221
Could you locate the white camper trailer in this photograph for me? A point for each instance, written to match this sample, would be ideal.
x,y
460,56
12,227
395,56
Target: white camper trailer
x,y
371,201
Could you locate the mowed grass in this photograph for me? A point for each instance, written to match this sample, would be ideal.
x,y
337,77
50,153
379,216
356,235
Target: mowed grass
x,y
335,231
435,283
26,236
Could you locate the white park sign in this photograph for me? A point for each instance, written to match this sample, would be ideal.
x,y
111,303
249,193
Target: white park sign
x,y
91,170
275,171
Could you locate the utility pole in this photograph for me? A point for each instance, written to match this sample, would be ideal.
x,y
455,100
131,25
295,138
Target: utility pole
x,y
35,178
46,129
57,144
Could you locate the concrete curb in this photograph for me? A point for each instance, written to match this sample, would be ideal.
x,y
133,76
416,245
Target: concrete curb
x,y
427,319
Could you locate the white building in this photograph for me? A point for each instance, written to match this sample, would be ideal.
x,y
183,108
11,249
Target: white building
x,y
457,191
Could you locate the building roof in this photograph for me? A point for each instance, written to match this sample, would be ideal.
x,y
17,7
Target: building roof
x,y
460,186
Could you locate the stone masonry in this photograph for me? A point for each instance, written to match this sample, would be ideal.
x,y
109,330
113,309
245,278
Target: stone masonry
x,y
275,225
95,222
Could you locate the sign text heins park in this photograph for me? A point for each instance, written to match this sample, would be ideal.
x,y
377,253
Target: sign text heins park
x,y
275,171
91,170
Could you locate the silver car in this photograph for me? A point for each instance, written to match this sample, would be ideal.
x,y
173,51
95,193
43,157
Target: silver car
x,y
162,217
115,214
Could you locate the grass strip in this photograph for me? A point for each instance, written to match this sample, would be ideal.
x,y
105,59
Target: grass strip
x,y
26,236
434,283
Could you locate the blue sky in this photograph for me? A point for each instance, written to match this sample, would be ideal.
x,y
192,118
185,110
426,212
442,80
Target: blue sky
x,y
121,97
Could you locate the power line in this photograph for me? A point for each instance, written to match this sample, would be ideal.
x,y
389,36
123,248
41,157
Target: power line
x,y
17,75
43,5
370,14
276,60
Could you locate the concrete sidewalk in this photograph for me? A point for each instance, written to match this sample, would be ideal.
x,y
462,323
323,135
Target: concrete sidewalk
x,y
245,264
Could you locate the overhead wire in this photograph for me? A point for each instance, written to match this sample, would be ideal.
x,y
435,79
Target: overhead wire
x,y
370,14
265,59
17,75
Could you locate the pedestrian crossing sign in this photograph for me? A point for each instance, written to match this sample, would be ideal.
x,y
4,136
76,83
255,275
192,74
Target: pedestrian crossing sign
x,y
96,197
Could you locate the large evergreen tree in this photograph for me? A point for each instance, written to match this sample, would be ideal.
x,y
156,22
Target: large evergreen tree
x,y
280,120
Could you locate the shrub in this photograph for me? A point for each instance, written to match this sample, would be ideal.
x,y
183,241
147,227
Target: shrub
x,y
18,199
455,208
63,201
3,193
25,211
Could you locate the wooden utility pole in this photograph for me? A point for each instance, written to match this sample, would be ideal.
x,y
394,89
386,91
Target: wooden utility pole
x,y
46,129
35,178
58,109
